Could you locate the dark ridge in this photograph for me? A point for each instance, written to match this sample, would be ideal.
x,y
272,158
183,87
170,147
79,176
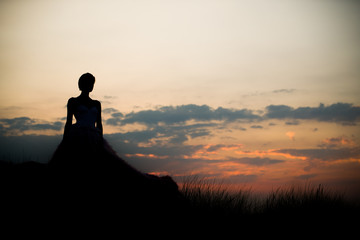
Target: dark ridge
x,y
110,193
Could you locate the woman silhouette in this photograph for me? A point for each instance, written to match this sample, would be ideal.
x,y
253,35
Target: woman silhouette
x,y
85,156
87,112
83,145
89,177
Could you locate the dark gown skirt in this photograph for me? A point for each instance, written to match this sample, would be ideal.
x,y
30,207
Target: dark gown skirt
x,y
84,157
84,151
86,181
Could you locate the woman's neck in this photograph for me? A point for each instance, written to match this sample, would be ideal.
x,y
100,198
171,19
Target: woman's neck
x,y
84,95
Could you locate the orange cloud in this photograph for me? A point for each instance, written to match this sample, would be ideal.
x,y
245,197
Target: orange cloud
x,y
160,173
146,156
213,151
216,154
291,135
337,142
232,147
270,152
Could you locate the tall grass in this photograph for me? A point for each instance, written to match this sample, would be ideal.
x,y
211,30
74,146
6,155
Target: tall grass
x,y
212,199
304,197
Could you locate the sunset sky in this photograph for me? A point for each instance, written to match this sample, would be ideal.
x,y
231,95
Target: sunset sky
x,y
262,92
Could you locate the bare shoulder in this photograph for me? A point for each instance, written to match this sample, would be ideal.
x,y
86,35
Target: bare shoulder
x,y
72,101
97,103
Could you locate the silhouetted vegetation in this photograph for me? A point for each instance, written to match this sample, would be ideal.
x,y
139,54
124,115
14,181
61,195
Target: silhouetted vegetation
x,y
289,207
97,194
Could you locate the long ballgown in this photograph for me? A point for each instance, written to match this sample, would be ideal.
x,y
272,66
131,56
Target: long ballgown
x,y
86,181
83,148
87,170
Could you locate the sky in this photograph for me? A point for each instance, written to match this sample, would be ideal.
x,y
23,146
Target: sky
x,y
254,92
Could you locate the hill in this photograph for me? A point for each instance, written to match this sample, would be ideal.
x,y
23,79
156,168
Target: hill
x,y
108,192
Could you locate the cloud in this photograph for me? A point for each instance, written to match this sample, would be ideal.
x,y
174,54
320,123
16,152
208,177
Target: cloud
x,y
22,124
176,125
292,123
110,110
109,97
257,127
327,154
269,93
324,157
257,161
338,112
284,91
116,117
291,135
149,142
337,142
343,113
181,114
223,147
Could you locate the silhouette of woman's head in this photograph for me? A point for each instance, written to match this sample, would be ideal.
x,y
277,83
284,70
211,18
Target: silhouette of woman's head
x,y
86,82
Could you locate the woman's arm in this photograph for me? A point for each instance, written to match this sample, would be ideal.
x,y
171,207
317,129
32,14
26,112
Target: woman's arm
x,y
98,120
69,117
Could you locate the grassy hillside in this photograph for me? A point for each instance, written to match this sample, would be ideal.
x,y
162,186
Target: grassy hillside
x,y
99,194
289,205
